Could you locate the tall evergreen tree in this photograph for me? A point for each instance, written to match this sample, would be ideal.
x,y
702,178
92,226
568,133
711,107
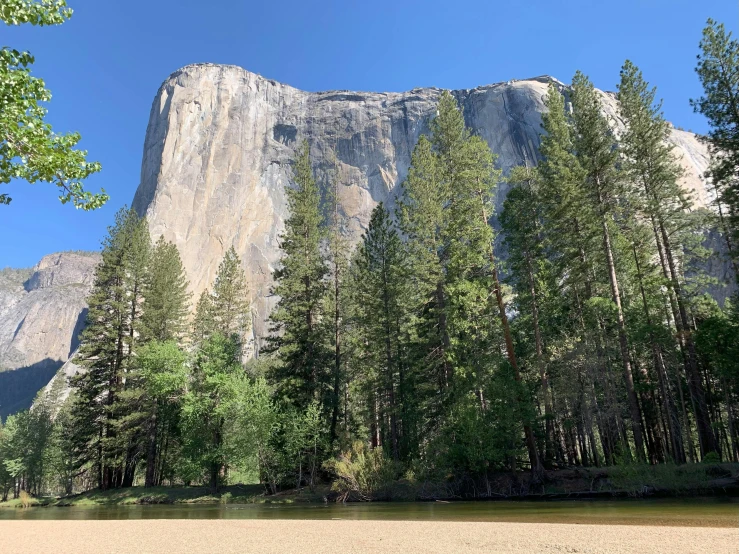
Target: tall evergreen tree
x,y
225,309
523,237
718,70
338,260
107,345
445,213
650,164
302,374
380,290
166,297
570,229
596,150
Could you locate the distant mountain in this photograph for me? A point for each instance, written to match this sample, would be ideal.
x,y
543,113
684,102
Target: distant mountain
x,y
42,310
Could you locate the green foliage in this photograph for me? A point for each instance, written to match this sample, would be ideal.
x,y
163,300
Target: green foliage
x,y
206,404
400,370
444,211
718,71
303,374
35,12
106,419
167,297
364,473
29,149
380,322
225,310
252,422
642,479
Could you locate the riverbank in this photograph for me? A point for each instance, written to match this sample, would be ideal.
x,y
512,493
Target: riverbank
x,y
628,481
233,494
388,537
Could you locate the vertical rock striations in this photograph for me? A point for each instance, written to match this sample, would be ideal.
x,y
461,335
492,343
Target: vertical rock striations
x,y
42,311
220,141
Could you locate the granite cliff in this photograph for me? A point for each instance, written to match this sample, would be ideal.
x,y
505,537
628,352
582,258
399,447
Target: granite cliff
x,y
220,141
42,310
216,161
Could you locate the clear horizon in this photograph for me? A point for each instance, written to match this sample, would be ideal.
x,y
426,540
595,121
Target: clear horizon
x,y
105,65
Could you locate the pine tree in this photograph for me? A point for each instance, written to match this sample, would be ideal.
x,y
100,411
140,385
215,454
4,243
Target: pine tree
x,y
422,220
445,213
302,374
650,164
167,299
338,260
596,150
570,232
521,223
718,70
379,294
225,310
107,345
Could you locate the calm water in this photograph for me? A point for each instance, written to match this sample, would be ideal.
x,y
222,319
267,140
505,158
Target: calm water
x,y
709,512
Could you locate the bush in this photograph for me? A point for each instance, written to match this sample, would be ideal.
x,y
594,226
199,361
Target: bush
x,y
365,474
711,458
641,479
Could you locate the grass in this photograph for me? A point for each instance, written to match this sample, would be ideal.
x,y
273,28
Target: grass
x,y
631,479
642,479
233,494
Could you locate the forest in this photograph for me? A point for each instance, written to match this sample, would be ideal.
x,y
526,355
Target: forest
x,y
573,329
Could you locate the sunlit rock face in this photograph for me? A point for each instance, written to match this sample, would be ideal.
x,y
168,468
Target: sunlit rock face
x,y
220,141
42,311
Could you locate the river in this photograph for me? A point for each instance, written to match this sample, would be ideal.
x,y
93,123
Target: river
x,y
693,512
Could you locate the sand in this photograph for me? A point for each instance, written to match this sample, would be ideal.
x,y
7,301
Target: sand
x,y
345,537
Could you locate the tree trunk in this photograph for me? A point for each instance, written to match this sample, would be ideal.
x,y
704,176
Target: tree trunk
x,y
151,449
705,432
675,434
536,468
634,410
543,374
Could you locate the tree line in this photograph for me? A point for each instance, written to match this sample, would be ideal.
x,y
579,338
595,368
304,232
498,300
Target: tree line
x,y
420,353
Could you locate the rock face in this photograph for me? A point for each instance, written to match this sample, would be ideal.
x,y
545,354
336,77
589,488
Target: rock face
x,y
220,141
42,311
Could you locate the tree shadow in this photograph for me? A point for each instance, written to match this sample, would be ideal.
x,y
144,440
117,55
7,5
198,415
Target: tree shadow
x,y
18,387
78,327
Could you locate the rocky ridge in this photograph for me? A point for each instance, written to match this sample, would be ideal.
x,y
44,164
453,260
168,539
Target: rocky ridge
x,y
220,140
216,162
42,310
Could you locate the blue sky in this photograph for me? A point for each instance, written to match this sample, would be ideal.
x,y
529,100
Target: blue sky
x,y
106,64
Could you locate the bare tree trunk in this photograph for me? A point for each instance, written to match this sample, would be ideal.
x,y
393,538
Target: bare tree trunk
x,y
151,449
659,367
536,468
634,410
706,437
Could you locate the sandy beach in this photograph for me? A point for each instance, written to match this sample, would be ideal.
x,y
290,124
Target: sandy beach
x,y
305,536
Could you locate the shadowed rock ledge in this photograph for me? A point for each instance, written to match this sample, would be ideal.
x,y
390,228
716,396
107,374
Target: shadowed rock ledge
x,y
42,311
220,140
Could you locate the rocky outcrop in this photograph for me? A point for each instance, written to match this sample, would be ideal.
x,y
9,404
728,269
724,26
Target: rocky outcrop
x,y
215,166
42,311
220,141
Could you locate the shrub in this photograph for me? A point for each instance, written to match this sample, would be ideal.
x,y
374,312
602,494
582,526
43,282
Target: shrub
x,y
711,458
640,479
364,474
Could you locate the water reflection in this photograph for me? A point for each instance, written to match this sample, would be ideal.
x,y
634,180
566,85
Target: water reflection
x,y
708,512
